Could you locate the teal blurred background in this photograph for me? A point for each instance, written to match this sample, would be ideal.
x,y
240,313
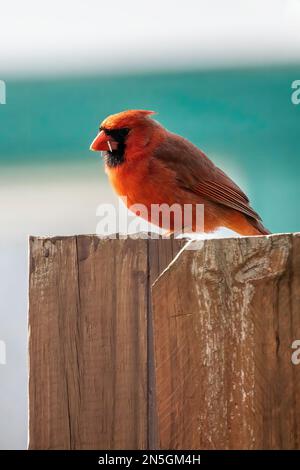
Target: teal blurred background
x,y
218,73
242,118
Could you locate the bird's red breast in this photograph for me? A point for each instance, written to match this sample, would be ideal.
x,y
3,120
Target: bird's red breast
x,y
150,165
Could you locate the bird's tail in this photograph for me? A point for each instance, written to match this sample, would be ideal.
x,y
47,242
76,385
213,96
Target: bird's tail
x,y
247,225
257,224
256,227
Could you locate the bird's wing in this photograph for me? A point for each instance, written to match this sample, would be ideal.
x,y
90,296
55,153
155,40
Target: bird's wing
x,y
197,174
225,195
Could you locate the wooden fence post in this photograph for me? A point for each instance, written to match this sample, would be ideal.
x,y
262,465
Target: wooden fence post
x,y
225,314
225,317
91,383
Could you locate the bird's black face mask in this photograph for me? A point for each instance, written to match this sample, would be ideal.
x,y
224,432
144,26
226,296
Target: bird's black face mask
x,y
115,157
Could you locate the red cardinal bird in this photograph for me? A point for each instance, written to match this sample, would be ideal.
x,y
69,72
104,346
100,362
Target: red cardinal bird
x,y
150,165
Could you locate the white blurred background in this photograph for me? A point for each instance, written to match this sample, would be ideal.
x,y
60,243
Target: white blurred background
x,y
96,35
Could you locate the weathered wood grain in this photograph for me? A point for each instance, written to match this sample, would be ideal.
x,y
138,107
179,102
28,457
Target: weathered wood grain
x,y
91,383
225,316
161,254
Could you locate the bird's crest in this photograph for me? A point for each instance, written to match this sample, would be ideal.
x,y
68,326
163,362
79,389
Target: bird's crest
x,y
127,118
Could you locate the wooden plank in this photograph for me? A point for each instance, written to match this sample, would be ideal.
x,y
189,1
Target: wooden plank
x,y
161,253
91,384
225,317
53,303
113,287
88,343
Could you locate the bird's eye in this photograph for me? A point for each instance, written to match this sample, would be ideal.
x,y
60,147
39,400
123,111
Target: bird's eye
x,y
117,134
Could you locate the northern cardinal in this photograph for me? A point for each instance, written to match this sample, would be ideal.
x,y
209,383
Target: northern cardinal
x,y
150,165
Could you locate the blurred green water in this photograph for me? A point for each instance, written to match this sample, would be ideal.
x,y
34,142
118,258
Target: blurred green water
x,y
243,119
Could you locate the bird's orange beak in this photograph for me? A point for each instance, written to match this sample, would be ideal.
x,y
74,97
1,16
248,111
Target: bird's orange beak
x,y
103,142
